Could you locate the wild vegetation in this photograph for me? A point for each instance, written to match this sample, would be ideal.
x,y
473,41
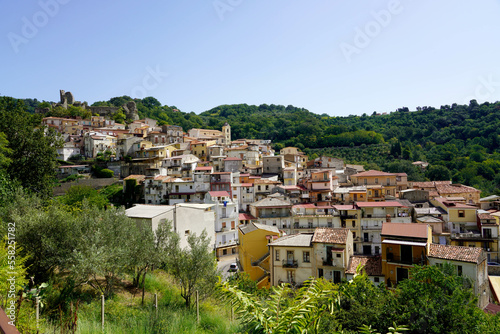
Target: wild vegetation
x,y
433,300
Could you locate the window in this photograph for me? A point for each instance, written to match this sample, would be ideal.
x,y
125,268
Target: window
x,y
354,235
388,192
223,224
329,223
186,232
339,255
459,270
305,257
461,213
376,180
309,223
376,279
277,255
353,223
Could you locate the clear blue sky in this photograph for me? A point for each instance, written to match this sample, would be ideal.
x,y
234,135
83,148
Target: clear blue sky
x,y
329,56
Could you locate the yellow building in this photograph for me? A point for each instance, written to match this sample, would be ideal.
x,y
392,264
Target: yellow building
x,y
200,148
350,216
462,218
403,246
379,184
254,252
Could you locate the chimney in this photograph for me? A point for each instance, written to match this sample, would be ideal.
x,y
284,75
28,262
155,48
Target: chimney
x,y
388,218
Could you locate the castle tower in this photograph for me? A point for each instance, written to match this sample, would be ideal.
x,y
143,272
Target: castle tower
x,y
226,130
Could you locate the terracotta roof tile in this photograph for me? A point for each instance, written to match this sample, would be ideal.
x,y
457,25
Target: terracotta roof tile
x,y
294,240
379,204
371,264
330,235
373,173
218,193
455,189
456,253
410,230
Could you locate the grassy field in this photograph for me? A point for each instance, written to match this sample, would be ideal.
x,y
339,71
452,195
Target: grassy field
x,y
124,313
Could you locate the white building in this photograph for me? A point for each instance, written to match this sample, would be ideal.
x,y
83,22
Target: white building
x,y
226,221
186,219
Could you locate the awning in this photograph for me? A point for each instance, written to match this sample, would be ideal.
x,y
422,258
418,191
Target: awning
x,y
401,242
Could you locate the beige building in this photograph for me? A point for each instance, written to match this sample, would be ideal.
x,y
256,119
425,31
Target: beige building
x,y
296,258
469,262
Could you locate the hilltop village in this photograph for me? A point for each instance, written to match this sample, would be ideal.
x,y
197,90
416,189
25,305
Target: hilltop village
x,y
285,217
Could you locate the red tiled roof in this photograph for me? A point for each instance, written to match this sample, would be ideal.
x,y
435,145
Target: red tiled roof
x,y
305,206
379,204
232,159
371,264
374,173
455,189
204,168
486,216
492,308
405,230
330,235
450,204
290,187
246,216
431,184
456,253
344,207
218,193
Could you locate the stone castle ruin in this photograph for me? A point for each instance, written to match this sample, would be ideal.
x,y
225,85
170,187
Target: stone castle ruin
x,y
67,99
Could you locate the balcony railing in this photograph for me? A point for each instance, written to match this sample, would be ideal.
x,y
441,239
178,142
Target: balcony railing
x,y
290,264
469,235
348,216
274,215
365,227
404,260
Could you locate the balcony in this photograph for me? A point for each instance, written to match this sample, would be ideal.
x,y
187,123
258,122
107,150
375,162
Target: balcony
x,y
368,227
290,264
405,259
348,216
468,235
274,215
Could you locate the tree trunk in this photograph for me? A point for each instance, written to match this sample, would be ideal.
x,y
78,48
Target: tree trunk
x,y
144,284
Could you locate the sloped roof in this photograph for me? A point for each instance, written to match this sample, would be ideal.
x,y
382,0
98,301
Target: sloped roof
x,y
410,230
429,219
450,204
372,264
271,202
373,173
380,204
255,226
294,240
330,235
135,177
455,189
429,184
456,253
218,193
246,216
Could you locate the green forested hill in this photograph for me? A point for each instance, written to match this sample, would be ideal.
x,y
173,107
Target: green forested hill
x,y
461,142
